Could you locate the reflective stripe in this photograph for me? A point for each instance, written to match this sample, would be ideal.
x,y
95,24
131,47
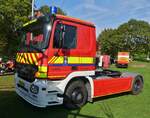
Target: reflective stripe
x,y
80,60
30,22
34,58
42,69
59,60
71,60
41,75
20,55
27,58
87,60
30,59
54,59
17,56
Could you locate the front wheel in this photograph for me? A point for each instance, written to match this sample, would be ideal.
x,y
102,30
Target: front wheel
x,y
137,85
75,95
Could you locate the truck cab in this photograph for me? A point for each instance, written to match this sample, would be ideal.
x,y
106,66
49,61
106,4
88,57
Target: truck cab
x,y
56,64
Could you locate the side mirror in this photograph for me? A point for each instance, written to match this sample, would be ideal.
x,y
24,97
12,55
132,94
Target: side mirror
x,y
61,35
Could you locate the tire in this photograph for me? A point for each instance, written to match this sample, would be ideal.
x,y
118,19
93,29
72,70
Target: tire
x,y
75,95
137,85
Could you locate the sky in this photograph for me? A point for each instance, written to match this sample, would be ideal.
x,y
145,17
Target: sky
x,y
103,13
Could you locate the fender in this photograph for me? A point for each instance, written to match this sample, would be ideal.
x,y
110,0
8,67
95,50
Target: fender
x,y
133,75
63,83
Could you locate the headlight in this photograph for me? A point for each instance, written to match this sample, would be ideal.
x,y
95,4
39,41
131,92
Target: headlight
x,y
34,89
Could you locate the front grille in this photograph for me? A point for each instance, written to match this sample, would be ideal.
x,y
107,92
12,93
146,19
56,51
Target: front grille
x,y
26,71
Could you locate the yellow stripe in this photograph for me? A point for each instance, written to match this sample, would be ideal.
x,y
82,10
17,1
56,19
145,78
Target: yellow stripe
x,y
34,58
41,75
37,54
80,60
26,58
87,60
30,59
59,60
22,59
30,22
42,69
50,60
19,57
54,59
73,60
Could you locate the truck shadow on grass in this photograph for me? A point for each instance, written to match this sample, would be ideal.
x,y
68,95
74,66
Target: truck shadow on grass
x,y
12,106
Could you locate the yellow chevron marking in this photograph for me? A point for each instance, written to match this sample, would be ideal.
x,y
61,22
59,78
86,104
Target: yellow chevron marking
x,y
22,59
26,58
34,59
30,59
19,57
59,60
50,60
54,59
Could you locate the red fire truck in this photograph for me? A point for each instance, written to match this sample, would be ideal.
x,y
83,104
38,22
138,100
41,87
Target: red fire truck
x,y
56,65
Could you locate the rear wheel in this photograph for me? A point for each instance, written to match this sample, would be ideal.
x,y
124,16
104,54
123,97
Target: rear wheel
x,y
75,95
137,85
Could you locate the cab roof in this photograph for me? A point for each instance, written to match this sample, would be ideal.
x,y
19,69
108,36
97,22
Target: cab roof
x,y
71,19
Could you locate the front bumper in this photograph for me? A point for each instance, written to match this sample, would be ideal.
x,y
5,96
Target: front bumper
x,y
49,94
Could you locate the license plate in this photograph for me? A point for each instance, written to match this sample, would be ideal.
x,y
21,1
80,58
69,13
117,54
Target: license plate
x,y
21,83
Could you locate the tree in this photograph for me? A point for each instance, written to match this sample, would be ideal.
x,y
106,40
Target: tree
x,y
46,9
13,13
136,36
110,42
133,36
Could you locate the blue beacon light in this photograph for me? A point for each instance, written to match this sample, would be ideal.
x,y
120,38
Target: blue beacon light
x,y
53,10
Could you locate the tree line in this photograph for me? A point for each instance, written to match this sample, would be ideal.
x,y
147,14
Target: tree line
x,y
133,36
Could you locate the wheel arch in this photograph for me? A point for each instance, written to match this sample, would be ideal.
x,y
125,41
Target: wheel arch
x,y
88,84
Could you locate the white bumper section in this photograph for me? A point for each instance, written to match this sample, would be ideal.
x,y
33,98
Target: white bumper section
x,y
49,94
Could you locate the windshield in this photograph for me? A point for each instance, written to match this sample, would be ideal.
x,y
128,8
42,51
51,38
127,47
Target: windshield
x,y
35,36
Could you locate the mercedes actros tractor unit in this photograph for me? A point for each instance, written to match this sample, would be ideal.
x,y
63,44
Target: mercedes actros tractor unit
x,y
56,64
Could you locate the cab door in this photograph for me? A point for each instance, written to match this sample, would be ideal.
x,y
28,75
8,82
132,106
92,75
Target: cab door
x,y
63,44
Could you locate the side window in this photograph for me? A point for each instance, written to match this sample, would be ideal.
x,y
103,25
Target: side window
x,y
69,37
57,35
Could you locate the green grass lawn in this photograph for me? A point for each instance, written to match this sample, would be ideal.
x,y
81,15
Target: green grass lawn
x,y
116,106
